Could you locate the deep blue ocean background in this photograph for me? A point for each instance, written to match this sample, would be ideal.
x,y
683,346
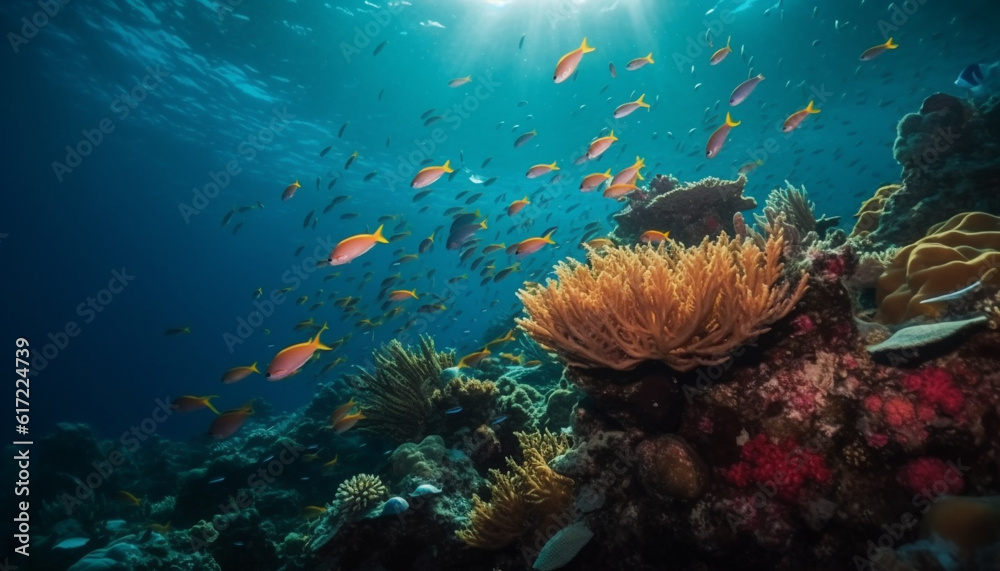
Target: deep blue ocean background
x,y
228,69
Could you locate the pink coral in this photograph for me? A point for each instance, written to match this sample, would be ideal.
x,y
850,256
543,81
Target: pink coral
x,y
936,387
931,477
784,467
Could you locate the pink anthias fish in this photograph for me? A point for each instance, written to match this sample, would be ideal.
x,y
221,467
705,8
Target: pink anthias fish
x,y
719,137
290,359
568,63
350,248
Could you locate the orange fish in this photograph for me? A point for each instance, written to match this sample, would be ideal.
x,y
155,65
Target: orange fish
x,y
290,190
639,62
600,145
594,180
313,512
796,118
598,243
230,421
532,245
654,237
237,374
517,205
721,53
619,190
473,359
341,411
189,403
719,137
538,170
429,175
875,51
567,64
401,294
350,248
346,423
290,359
126,498
628,174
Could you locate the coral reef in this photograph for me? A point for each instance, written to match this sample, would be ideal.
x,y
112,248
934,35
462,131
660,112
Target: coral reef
x,y
685,307
396,398
949,155
690,212
953,255
522,498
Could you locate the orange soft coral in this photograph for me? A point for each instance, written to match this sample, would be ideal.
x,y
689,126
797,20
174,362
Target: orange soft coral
x,y
684,306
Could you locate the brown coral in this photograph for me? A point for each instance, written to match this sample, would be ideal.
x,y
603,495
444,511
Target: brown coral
x,y
951,256
685,307
690,212
526,495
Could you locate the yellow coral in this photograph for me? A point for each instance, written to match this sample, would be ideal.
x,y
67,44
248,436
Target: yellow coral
x,y
951,256
685,307
870,212
528,494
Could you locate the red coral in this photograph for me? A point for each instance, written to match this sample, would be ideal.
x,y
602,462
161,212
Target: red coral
x,y
899,412
931,477
873,403
803,324
781,469
936,387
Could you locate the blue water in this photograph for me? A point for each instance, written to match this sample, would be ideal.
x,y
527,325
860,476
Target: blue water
x,y
223,72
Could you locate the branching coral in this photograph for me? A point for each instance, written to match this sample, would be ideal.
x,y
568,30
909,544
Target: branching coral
x,y
800,225
685,307
359,492
524,496
951,256
396,399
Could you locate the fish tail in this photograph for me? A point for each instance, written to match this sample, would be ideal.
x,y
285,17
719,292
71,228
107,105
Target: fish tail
x,y
584,47
811,109
730,122
254,368
642,103
483,224
209,404
891,46
378,234
727,41
649,58
447,167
